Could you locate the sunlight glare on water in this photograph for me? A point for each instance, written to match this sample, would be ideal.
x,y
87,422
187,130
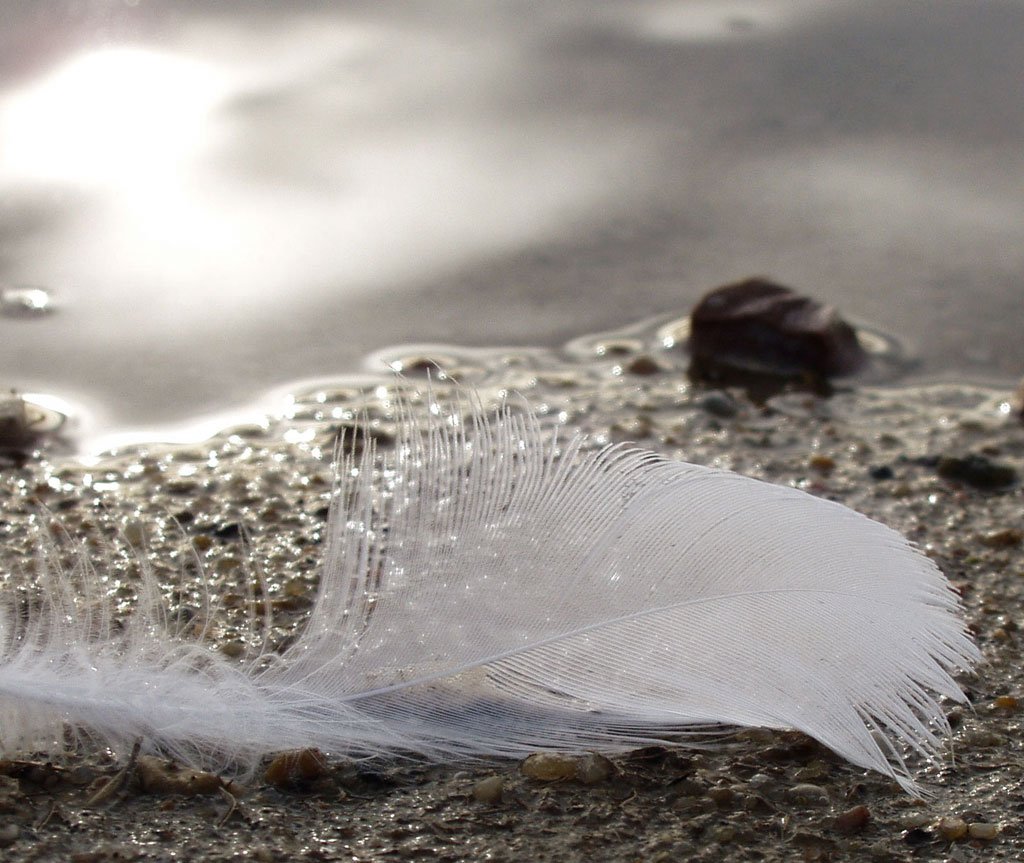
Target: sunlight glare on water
x,y
116,116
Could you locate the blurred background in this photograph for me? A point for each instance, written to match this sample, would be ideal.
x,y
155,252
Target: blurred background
x,y
219,198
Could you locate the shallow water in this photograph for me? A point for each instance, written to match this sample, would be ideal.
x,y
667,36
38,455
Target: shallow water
x,y
220,202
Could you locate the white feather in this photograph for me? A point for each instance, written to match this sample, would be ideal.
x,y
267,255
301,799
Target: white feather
x,y
486,591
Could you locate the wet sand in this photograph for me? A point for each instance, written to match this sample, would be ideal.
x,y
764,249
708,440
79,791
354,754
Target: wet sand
x,y
761,795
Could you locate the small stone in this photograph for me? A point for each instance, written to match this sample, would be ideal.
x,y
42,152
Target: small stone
x,y
593,768
181,485
808,794
296,767
918,837
723,834
952,828
982,830
982,738
720,404
230,531
296,588
489,790
134,533
881,472
159,776
822,463
722,796
853,820
549,767
976,470
643,365
757,325
233,649
24,425
1009,703
1005,538
227,564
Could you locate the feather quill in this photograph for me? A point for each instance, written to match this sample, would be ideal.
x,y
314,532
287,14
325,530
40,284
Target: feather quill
x,y
489,590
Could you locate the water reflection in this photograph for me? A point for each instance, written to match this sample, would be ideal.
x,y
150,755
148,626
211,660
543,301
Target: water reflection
x,y
267,164
221,198
125,118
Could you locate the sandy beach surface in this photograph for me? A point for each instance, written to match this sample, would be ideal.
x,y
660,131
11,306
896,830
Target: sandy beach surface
x,y
256,495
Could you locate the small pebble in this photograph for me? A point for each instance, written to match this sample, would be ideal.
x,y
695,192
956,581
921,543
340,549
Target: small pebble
x,y
489,790
230,531
759,325
822,463
952,828
289,769
808,794
723,834
722,796
134,533
1009,703
881,472
549,766
233,649
982,830
159,776
982,738
202,542
976,470
853,820
227,564
593,768
643,365
1005,538
720,404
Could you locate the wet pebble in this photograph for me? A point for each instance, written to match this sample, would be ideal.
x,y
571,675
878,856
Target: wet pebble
x,y
233,649
982,738
296,767
549,767
1005,538
952,828
853,820
808,794
134,533
24,425
724,834
976,470
643,365
720,404
593,768
555,767
765,327
159,776
489,790
982,830
823,464
1007,703
230,531
722,796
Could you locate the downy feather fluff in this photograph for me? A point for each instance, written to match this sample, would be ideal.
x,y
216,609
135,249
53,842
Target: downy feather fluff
x,y
488,590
